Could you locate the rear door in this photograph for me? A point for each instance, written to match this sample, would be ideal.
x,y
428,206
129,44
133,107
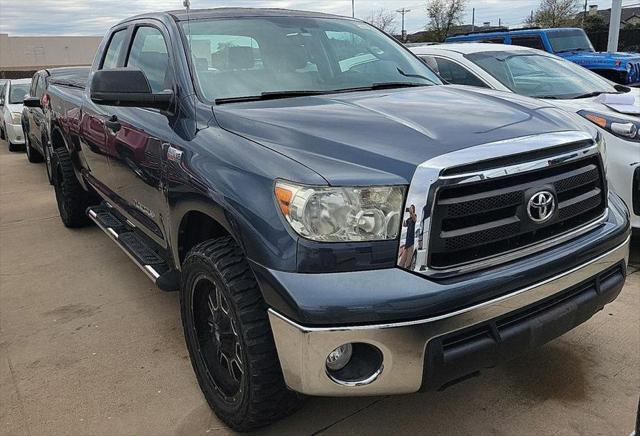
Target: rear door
x,y
97,140
36,115
141,136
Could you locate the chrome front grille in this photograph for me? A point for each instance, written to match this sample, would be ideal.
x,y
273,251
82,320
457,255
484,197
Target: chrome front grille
x,y
489,217
475,207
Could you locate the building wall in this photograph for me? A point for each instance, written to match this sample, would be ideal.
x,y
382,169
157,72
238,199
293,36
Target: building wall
x,y
23,55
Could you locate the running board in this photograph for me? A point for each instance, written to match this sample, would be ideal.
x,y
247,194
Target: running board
x,y
135,246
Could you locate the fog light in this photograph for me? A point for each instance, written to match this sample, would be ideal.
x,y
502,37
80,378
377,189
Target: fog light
x,y
338,358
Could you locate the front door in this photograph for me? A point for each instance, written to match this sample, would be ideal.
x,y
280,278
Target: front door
x,y
140,137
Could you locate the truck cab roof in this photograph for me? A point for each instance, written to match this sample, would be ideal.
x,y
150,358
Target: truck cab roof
x,y
209,13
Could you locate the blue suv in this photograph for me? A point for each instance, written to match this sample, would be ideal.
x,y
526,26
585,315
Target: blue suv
x,y
571,44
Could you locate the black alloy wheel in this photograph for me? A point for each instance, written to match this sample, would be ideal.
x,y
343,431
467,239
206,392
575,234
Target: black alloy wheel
x,y
219,345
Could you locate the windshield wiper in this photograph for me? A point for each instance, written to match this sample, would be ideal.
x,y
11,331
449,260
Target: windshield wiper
x,y
572,49
415,76
594,94
389,85
273,95
269,95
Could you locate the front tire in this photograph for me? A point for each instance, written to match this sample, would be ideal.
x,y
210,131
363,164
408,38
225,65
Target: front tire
x,y
229,338
71,197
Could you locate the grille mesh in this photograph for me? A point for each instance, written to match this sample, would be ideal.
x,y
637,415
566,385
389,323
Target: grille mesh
x,y
488,218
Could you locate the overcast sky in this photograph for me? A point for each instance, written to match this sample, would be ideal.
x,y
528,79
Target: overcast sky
x,y
93,17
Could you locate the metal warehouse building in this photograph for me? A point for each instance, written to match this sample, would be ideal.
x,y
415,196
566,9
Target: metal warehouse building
x,y
21,56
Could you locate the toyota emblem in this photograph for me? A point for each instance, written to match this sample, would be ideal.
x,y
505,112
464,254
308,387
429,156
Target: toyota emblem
x,y
541,206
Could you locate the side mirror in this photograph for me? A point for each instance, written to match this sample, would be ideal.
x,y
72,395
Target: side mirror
x,y
33,102
127,87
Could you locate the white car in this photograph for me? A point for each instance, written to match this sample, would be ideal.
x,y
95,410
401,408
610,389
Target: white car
x,y
535,73
11,111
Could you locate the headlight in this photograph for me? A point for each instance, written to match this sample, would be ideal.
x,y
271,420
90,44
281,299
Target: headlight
x,y
341,214
625,129
15,117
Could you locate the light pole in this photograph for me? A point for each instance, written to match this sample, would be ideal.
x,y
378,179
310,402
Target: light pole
x,y
614,25
402,12
353,8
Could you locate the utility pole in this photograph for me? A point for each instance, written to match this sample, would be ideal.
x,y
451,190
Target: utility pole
x,y
499,22
402,12
353,8
473,20
187,4
584,16
614,25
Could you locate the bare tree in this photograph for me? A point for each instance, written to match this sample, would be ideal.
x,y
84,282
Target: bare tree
x,y
443,15
553,13
383,19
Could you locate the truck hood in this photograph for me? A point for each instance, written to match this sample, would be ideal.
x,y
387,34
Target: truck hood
x,y
380,137
604,59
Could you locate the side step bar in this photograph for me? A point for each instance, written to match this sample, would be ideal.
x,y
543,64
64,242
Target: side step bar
x,y
135,246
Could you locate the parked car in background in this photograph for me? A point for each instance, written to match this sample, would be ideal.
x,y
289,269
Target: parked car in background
x,y
263,162
11,112
34,117
568,43
542,75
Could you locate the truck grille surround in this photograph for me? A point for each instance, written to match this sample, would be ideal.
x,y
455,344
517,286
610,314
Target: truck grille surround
x,y
494,203
490,217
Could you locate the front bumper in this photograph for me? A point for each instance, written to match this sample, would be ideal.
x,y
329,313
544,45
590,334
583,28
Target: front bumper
x,y
430,352
14,133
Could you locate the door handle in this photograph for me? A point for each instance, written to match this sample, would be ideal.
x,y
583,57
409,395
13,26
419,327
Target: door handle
x,y
113,124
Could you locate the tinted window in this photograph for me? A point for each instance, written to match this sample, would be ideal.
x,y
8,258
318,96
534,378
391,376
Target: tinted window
x,y
455,73
533,41
17,92
498,40
569,40
278,54
34,84
40,87
149,54
113,50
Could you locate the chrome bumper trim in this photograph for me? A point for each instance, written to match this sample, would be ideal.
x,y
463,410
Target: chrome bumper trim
x,y
302,350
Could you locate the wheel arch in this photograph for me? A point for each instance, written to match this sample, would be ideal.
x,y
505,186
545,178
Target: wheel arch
x,y
197,220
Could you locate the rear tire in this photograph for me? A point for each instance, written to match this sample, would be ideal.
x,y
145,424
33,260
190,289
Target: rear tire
x,y
229,338
71,197
14,147
48,163
33,155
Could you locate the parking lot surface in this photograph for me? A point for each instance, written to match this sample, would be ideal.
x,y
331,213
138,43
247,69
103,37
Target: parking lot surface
x,y
88,345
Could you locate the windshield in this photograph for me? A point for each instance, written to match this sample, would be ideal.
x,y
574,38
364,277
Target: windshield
x,y
569,40
244,57
540,76
17,92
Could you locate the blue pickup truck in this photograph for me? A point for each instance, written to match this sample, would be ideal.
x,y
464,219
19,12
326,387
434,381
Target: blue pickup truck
x,y
571,44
